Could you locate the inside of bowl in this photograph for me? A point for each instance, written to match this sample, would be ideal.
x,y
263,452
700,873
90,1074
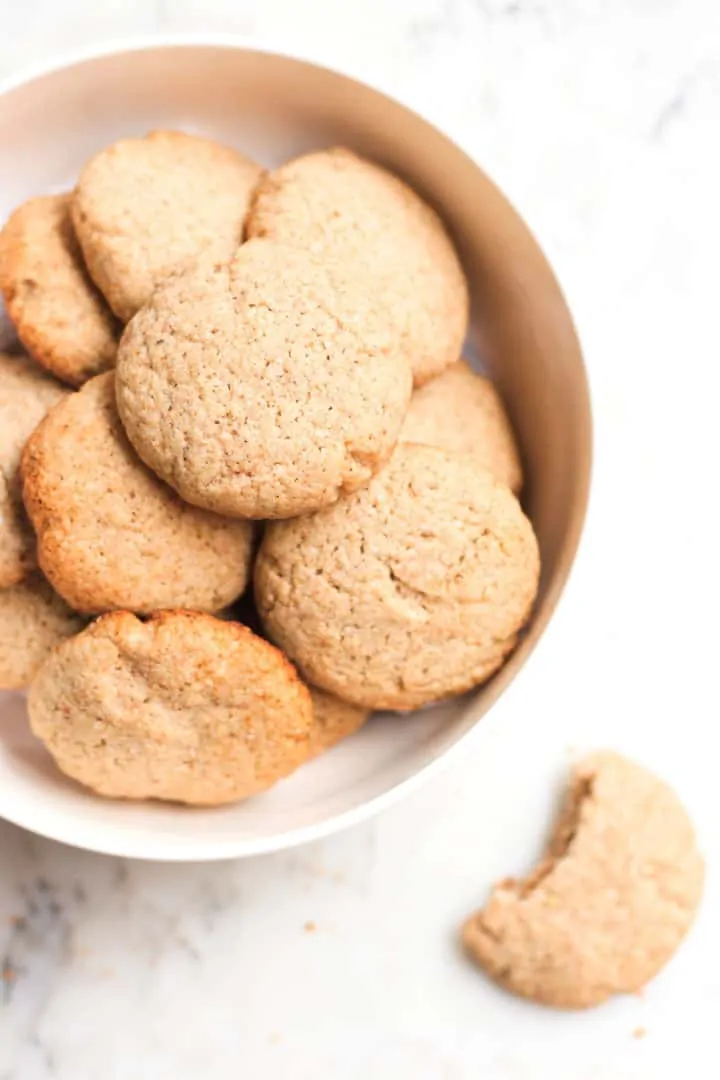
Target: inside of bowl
x,y
273,107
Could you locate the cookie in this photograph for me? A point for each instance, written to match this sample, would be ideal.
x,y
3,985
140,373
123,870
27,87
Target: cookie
x,y
33,619
608,905
183,707
262,388
339,205
405,592
144,208
462,411
110,534
26,394
333,720
59,315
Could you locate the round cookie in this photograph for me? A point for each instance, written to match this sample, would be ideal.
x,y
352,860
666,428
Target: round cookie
x,y
333,720
405,592
339,205
264,387
32,620
144,208
462,411
608,905
59,315
109,533
26,394
183,707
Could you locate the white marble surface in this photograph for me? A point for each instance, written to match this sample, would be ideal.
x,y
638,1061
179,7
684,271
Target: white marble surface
x,y
600,120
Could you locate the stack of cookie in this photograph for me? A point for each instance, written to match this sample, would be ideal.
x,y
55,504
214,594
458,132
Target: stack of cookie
x,y
214,346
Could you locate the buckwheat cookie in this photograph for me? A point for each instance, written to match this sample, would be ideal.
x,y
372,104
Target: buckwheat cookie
x,y
33,619
26,393
183,707
461,410
333,720
59,315
339,205
146,207
263,387
110,534
407,591
608,905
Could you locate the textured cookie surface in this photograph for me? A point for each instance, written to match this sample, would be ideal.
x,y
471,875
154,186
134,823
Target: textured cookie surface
x,y
183,707
407,591
33,619
59,315
264,387
145,207
611,901
110,534
335,203
333,720
26,394
463,411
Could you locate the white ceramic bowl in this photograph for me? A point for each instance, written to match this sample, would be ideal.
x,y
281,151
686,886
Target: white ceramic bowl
x,y
273,106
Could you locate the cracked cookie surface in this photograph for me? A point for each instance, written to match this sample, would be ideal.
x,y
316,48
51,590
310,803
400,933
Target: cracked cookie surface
x,y
144,208
26,394
181,707
60,316
109,533
339,205
608,905
405,592
265,387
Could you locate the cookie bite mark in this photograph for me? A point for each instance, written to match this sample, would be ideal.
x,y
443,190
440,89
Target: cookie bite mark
x,y
611,900
60,316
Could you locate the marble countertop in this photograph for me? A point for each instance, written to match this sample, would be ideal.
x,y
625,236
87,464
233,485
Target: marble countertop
x,y
599,118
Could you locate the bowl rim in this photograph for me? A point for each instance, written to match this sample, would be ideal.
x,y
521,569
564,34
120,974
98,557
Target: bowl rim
x,y
231,848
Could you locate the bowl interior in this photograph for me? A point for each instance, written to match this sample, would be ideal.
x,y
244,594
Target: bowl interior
x,y
272,107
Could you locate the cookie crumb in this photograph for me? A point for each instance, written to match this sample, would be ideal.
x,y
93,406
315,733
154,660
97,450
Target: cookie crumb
x,y
310,927
639,1032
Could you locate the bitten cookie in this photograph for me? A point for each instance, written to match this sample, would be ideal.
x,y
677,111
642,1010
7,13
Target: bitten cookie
x,y
183,707
262,388
338,205
59,315
144,208
462,411
32,620
610,902
110,534
26,394
405,592
333,720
